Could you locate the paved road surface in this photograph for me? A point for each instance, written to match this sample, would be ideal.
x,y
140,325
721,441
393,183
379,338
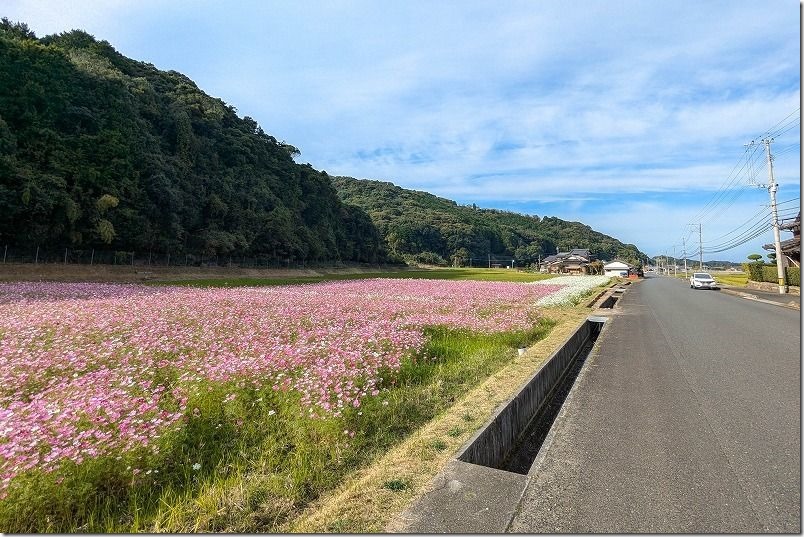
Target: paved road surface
x,y
687,419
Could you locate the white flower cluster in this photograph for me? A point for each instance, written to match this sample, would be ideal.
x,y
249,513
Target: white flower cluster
x,y
573,288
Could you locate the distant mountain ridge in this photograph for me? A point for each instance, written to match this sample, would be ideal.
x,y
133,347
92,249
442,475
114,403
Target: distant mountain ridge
x,y
423,227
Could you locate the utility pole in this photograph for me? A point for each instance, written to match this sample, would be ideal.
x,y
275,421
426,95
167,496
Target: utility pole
x,y
684,246
675,262
772,188
700,247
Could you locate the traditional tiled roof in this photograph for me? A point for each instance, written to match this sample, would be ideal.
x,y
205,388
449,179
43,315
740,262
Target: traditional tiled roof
x,y
793,225
788,246
581,252
581,255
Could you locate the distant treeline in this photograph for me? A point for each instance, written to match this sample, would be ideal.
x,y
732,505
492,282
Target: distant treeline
x,y
422,227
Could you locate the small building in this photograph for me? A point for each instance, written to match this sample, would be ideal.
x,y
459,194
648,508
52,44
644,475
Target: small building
x,y
576,261
616,268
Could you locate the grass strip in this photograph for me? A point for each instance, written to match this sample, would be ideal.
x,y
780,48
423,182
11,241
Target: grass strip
x,y
370,500
480,274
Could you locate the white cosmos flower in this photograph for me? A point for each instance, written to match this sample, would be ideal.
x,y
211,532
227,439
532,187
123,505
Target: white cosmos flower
x,y
574,288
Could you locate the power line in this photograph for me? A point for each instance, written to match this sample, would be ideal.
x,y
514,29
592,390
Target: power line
x,y
770,132
755,231
745,166
750,220
731,182
786,128
740,243
743,175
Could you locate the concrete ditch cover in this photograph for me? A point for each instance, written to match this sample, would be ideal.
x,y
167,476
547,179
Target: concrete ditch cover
x,y
466,498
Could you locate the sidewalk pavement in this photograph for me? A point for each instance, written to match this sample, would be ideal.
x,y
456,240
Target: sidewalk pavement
x,y
785,300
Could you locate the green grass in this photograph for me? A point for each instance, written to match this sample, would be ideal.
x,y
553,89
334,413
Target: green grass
x,y
396,485
480,274
260,458
736,279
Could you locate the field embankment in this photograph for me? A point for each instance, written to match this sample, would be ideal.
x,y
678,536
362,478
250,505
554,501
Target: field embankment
x,y
241,277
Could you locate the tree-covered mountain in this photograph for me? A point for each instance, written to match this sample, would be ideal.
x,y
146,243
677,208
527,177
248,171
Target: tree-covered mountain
x,y
420,226
100,150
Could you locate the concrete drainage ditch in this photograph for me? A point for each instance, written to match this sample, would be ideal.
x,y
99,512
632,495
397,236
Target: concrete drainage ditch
x,y
479,490
504,443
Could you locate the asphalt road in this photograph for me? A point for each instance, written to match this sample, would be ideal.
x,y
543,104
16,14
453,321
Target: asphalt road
x,y
686,418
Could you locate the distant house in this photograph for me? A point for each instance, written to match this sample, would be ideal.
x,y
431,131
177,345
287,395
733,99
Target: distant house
x,y
575,261
615,268
791,248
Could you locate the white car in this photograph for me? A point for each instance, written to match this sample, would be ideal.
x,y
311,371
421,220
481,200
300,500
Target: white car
x,y
702,280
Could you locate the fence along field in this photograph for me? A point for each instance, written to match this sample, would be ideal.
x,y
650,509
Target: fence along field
x,y
120,404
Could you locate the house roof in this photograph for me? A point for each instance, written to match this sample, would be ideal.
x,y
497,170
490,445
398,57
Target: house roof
x,y
581,255
615,265
790,245
581,252
793,225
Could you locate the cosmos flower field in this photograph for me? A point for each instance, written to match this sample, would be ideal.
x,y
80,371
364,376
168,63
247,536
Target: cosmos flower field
x,y
92,371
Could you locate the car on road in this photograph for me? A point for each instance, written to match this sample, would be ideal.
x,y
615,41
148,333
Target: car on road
x,y
702,280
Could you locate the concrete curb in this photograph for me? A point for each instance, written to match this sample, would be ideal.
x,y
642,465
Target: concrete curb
x,y
771,287
748,296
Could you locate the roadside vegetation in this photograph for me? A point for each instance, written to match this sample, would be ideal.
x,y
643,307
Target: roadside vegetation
x,y
459,274
730,278
733,279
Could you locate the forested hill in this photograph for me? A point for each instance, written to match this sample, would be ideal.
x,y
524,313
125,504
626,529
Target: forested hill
x,y
98,150
424,227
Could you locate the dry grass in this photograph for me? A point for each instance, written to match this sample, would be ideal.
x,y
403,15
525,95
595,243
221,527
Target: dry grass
x,y
371,500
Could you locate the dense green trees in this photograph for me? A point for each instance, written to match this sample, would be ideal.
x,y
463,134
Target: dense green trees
x,y
419,226
97,150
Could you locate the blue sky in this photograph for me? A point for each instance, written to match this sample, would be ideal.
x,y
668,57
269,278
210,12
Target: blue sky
x,y
630,117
